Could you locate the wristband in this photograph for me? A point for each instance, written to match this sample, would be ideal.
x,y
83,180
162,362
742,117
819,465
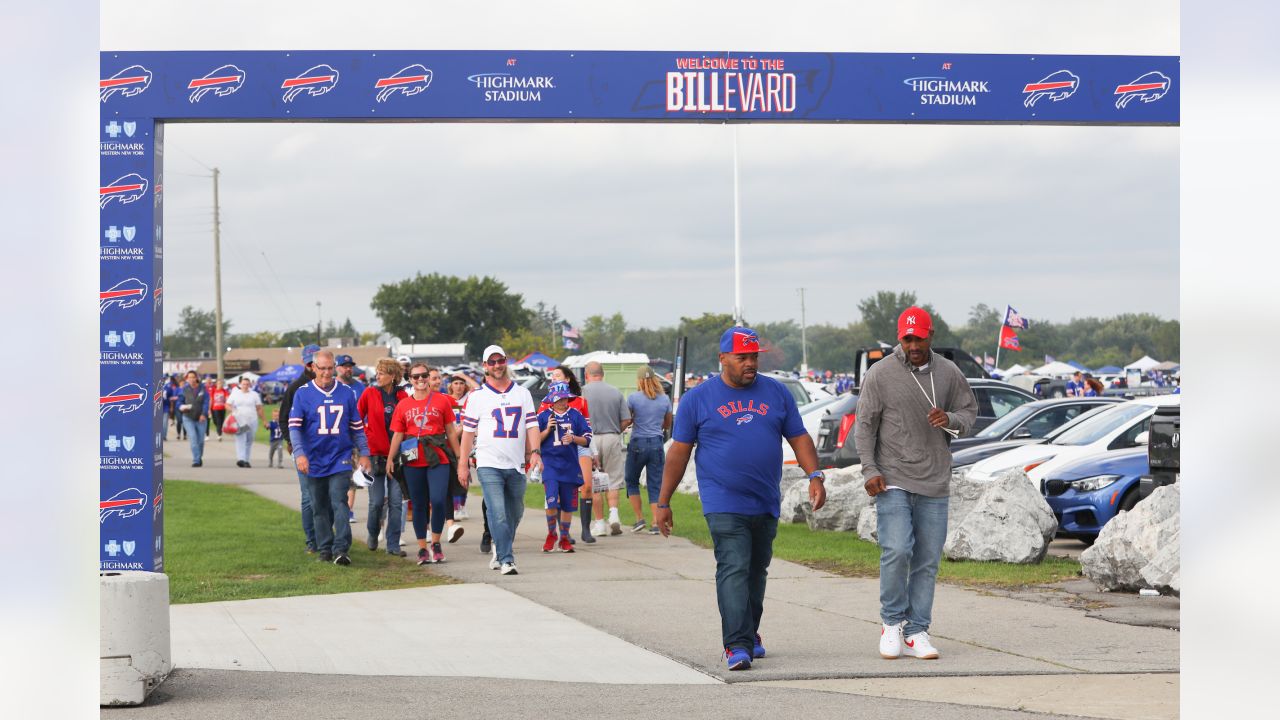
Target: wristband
x,y
663,507
817,474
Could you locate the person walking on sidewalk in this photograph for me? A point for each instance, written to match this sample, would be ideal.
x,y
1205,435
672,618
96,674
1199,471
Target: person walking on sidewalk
x,y
246,406
324,426
275,438
286,406
651,412
218,406
377,406
346,376
194,406
423,439
911,405
737,421
610,417
561,431
498,422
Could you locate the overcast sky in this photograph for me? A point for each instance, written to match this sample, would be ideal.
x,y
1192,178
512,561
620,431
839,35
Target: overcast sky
x,y
1060,222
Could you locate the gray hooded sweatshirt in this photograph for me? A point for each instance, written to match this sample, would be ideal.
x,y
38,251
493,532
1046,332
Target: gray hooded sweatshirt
x,y
892,431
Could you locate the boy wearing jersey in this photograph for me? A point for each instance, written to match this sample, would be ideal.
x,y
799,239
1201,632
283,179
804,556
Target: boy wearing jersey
x,y
324,426
498,423
561,431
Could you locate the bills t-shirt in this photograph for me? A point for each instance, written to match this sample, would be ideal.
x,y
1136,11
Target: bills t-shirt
x,y
500,420
428,416
738,433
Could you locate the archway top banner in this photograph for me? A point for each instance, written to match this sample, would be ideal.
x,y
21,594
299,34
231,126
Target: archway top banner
x,y
665,86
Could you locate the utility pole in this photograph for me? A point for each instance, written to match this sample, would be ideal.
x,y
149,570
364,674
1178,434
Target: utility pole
x,y
217,282
804,344
318,320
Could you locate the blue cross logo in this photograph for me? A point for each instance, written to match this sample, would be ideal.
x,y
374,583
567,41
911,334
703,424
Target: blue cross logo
x,y
113,129
112,548
112,443
112,338
112,234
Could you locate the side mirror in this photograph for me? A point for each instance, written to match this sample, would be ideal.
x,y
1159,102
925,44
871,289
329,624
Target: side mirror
x,y
1143,438
1022,432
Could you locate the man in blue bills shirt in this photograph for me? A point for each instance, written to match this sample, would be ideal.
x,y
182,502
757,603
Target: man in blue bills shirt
x,y
737,420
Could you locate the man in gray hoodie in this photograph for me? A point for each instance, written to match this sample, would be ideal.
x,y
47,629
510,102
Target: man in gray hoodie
x,y
911,404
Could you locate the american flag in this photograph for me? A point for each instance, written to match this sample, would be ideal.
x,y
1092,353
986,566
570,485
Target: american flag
x,y
569,331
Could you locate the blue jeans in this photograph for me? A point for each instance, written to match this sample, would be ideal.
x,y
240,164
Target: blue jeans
x,y
504,503
645,453
329,501
244,441
386,490
308,520
429,491
911,529
743,548
195,432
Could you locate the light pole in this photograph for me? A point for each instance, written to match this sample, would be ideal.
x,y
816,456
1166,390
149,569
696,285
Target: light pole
x,y
804,344
318,320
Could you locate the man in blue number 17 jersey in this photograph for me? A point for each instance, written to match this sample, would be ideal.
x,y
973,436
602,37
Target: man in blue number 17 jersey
x,y
324,426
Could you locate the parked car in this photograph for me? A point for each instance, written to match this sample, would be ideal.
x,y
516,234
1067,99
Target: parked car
x,y
813,415
1031,420
1119,426
1085,494
995,399
962,459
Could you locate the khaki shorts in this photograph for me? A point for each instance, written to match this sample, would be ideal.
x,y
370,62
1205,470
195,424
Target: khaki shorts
x,y
611,458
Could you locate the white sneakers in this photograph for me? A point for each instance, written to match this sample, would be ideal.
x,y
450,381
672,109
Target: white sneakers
x,y
890,642
509,569
918,646
493,560
598,528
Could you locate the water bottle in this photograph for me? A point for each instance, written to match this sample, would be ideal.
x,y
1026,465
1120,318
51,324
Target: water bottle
x,y
535,475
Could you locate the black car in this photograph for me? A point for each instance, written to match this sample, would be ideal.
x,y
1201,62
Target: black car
x,y
970,455
1032,420
995,400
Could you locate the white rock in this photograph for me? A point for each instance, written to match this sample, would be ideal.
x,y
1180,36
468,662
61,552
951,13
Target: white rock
x,y
867,524
1139,548
795,497
1009,522
846,498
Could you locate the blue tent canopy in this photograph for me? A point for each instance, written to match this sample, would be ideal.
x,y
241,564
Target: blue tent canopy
x,y
539,360
1109,370
284,374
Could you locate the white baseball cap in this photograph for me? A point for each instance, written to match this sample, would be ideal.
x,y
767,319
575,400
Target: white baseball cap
x,y
493,350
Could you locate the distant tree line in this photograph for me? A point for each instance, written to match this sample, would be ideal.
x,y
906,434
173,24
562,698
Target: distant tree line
x,y
438,308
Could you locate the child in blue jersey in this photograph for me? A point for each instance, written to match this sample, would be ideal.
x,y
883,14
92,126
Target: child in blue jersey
x,y
276,435
562,430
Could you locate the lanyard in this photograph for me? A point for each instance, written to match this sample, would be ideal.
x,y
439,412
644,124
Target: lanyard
x,y
932,400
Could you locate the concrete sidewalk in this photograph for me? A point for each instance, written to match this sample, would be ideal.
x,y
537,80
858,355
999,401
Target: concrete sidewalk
x,y
640,610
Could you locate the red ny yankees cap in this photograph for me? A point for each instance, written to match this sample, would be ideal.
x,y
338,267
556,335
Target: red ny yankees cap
x,y
914,321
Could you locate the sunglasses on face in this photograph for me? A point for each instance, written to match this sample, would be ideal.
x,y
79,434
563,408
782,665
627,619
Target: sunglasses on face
x,y
419,376
499,361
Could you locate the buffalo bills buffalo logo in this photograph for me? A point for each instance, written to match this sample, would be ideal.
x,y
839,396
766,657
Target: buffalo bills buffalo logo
x,y
126,504
315,81
747,342
128,82
125,399
221,82
744,419
1147,88
408,81
126,189
1057,86
124,294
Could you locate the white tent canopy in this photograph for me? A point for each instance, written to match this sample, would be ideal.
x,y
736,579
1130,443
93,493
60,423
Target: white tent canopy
x,y
1055,368
1014,370
1142,364
253,377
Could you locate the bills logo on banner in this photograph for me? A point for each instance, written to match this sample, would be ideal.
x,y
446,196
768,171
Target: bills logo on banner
x,y
1147,88
159,291
126,189
125,294
315,81
125,399
1057,86
408,81
126,504
221,82
130,81
157,504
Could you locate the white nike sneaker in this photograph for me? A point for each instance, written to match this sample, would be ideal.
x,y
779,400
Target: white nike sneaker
x,y
918,646
493,560
891,642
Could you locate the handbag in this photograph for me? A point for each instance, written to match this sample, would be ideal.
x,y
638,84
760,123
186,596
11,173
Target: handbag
x,y
230,426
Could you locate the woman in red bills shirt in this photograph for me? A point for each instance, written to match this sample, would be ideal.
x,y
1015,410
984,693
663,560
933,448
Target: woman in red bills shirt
x,y
423,426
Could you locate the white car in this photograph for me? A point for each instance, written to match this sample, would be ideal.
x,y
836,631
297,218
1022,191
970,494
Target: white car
x,y
1118,426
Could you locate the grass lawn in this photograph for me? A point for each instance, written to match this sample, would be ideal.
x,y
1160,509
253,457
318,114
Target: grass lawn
x,y
227,543
847,554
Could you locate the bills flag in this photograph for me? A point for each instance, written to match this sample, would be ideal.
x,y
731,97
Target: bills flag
x,y
1009,339
1013,319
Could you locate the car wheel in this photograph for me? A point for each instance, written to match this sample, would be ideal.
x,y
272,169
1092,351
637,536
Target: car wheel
x,y
1130,499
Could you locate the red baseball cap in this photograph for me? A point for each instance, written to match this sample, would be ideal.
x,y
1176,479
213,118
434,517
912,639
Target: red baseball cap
x,y
914,321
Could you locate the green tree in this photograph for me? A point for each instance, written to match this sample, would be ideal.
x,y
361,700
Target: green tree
x,y
703,333
444,308
604,333
261,339
520,342
195,333
880,312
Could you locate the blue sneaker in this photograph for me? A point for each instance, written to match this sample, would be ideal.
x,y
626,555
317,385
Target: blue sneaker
x,y
757,652
737,659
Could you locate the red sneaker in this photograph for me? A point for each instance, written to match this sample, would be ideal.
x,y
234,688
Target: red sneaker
x,y
565,545
550,544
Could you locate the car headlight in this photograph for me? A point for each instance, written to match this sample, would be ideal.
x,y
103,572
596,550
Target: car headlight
x,y
1097,482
